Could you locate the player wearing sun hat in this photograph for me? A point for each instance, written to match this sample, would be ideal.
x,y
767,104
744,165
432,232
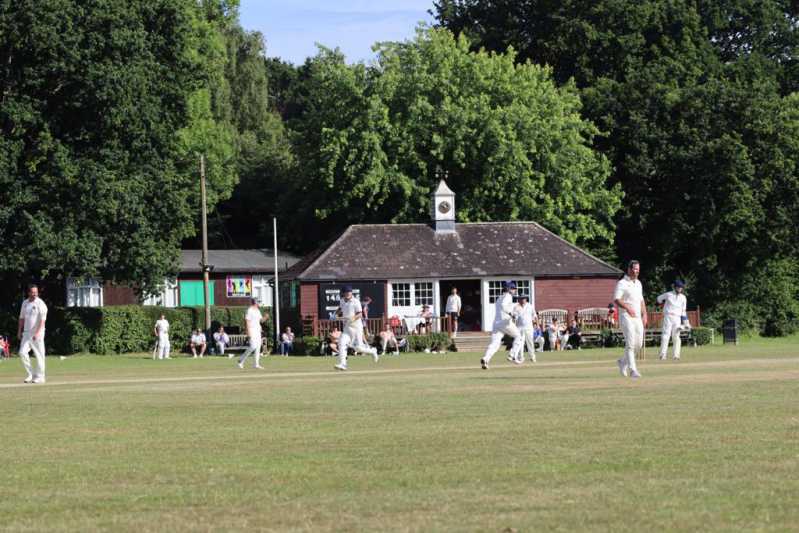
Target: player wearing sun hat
x,y
504,324
674,305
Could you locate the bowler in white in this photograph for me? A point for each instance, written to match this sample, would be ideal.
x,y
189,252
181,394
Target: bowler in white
x,y
504,324
253,320
32,316
629,296
674,308
349,308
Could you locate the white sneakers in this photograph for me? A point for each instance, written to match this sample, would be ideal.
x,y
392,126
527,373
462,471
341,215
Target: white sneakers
x,y
28,379
622,367
240,365
37,379
340,367
634,374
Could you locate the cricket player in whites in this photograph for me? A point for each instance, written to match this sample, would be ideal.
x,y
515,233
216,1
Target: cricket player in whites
x,y
32,316
504,324
349,308
161,331
526,317
674,308
629,296
253,320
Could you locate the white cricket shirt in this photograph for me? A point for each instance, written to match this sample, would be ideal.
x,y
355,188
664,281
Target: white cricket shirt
x,y
504,309
33,313
162,326
526,316
673,304
348,310
630,292
253,319
454,304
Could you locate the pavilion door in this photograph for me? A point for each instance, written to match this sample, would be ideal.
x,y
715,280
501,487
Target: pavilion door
x,y
469,291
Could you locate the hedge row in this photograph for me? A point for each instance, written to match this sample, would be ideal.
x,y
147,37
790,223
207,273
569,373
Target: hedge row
x,y
125,329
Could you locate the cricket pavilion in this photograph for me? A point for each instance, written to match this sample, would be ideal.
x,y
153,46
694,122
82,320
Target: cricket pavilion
x,y
403,267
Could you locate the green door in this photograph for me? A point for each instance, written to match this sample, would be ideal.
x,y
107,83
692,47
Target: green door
x,y
191,293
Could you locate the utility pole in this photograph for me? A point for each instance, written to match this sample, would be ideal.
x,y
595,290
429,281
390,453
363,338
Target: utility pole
x,y
204,260
276,302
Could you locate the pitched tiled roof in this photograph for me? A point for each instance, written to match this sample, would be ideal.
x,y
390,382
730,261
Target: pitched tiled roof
x,y
237,261
407,251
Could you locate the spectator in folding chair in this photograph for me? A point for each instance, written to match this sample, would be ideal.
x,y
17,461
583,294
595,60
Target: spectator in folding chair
x,y
538,338
612,318
426,325
574,338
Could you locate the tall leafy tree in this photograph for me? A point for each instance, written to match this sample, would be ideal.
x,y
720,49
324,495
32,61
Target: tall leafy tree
x,y
99,103
372,141
696,100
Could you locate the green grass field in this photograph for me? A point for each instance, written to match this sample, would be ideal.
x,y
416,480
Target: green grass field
x,y
415,443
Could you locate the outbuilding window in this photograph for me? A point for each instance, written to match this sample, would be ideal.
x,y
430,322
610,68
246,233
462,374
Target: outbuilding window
x,y
401,294
84,293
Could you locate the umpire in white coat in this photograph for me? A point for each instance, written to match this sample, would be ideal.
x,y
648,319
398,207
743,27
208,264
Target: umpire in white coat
x,y
674,308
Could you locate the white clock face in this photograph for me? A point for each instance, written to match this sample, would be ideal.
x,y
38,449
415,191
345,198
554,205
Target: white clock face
x,y
444,207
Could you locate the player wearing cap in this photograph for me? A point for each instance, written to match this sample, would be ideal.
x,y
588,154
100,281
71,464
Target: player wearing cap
x,y
504,319
674,309
350,310
629,297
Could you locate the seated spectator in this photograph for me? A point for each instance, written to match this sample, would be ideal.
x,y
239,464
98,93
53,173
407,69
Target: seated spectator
x,y
286,341
5,351
575,336
387,338
538,338
198,342
612,317
426,325
332,340
221,340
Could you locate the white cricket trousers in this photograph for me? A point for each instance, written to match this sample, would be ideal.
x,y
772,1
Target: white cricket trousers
x,y
633,329
499,331
163,346
671,329
254,349
528,339
37,345
353,337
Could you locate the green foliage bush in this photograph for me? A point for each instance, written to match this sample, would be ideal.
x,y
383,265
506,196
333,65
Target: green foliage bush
x,y
307,345
125,329
432,341
702,335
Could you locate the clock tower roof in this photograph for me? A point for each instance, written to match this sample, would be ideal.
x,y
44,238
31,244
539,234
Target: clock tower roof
x,y
443,189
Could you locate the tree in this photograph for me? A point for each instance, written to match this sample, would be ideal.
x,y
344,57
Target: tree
x,y
99,104
373,141
696,102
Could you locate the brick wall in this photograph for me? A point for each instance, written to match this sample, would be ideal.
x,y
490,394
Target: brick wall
x,y
573,294
118,295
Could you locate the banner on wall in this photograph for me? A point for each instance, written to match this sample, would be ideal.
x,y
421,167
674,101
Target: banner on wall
x,y
239,286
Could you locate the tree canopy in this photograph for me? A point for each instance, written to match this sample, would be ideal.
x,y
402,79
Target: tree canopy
x,y
697,105
372,141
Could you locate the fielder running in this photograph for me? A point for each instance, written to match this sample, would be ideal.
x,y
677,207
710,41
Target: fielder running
x,y
504,325
253,320
526,318
162,333
32,316
674,309
629,296
349,308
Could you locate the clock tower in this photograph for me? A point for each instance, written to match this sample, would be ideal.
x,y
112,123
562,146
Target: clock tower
x,y
443,209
